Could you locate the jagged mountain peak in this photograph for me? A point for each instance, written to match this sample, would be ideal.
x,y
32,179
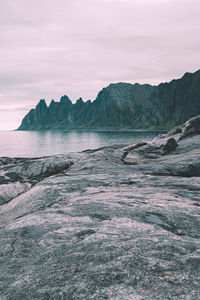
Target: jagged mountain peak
x,y
119,84
79,100
42,103
189,74
122,105
65,100
52,103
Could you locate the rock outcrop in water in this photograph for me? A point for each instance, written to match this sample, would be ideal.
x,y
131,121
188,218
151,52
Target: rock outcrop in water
x,y
117,222
122,106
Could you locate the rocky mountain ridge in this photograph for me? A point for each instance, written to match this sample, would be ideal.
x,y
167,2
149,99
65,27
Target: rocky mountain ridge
x,y
122,106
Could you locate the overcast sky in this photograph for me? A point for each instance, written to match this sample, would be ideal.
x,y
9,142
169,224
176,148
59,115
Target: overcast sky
x,y
49,48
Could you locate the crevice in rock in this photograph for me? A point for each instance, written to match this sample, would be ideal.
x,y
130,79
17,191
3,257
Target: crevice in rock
x,y
83,234
99,217
13,246
162,221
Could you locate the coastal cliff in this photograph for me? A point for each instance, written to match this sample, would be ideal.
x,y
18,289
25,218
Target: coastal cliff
x,y
116,106
122,106
119,222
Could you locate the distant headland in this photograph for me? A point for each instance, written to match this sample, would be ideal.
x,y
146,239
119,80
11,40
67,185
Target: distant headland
x,y
122,106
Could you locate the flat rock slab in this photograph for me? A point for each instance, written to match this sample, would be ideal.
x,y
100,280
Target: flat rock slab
x,y
97,228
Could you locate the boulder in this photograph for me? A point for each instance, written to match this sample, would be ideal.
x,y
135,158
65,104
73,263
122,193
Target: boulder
x,y
192,127
170,146
175,130
156,149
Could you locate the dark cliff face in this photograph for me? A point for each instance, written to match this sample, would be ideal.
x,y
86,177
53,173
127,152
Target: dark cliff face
x,y
39,116
173,103
116,106
122,106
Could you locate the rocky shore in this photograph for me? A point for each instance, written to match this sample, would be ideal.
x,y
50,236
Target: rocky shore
x,y
118,222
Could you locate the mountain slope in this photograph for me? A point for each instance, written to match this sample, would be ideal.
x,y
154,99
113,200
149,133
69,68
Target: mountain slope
x,y
122,106
173,103
118,102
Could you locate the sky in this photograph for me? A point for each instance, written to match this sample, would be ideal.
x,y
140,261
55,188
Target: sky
x,y
49,48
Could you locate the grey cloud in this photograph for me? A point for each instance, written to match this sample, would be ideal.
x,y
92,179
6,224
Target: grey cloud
x,y
80,46
15,109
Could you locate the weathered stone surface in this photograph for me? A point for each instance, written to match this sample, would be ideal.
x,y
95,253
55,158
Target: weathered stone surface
x,y
97,228
135,146
19,174
170,146
130,159
192,127
175,130
153,149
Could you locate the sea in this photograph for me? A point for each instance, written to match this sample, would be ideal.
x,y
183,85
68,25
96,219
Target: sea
x,y
46,143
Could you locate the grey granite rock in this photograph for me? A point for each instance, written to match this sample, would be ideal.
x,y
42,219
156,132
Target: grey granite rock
x,y
89,226
192,127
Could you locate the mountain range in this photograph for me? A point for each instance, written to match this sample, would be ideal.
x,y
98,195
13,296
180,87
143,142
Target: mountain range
x,y
122,106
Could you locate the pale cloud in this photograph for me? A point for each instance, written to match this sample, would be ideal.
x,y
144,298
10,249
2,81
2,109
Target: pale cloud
x,y
76,47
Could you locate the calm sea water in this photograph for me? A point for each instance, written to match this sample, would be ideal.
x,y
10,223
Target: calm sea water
x,y
44,143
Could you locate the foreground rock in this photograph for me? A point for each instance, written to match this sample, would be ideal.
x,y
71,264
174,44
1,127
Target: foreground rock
x,y
90,226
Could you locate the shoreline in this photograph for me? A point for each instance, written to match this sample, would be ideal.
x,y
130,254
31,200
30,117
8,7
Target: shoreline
x,y
118,221
92,130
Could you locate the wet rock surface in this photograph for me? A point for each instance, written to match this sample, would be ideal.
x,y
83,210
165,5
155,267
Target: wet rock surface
x,y
91,226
